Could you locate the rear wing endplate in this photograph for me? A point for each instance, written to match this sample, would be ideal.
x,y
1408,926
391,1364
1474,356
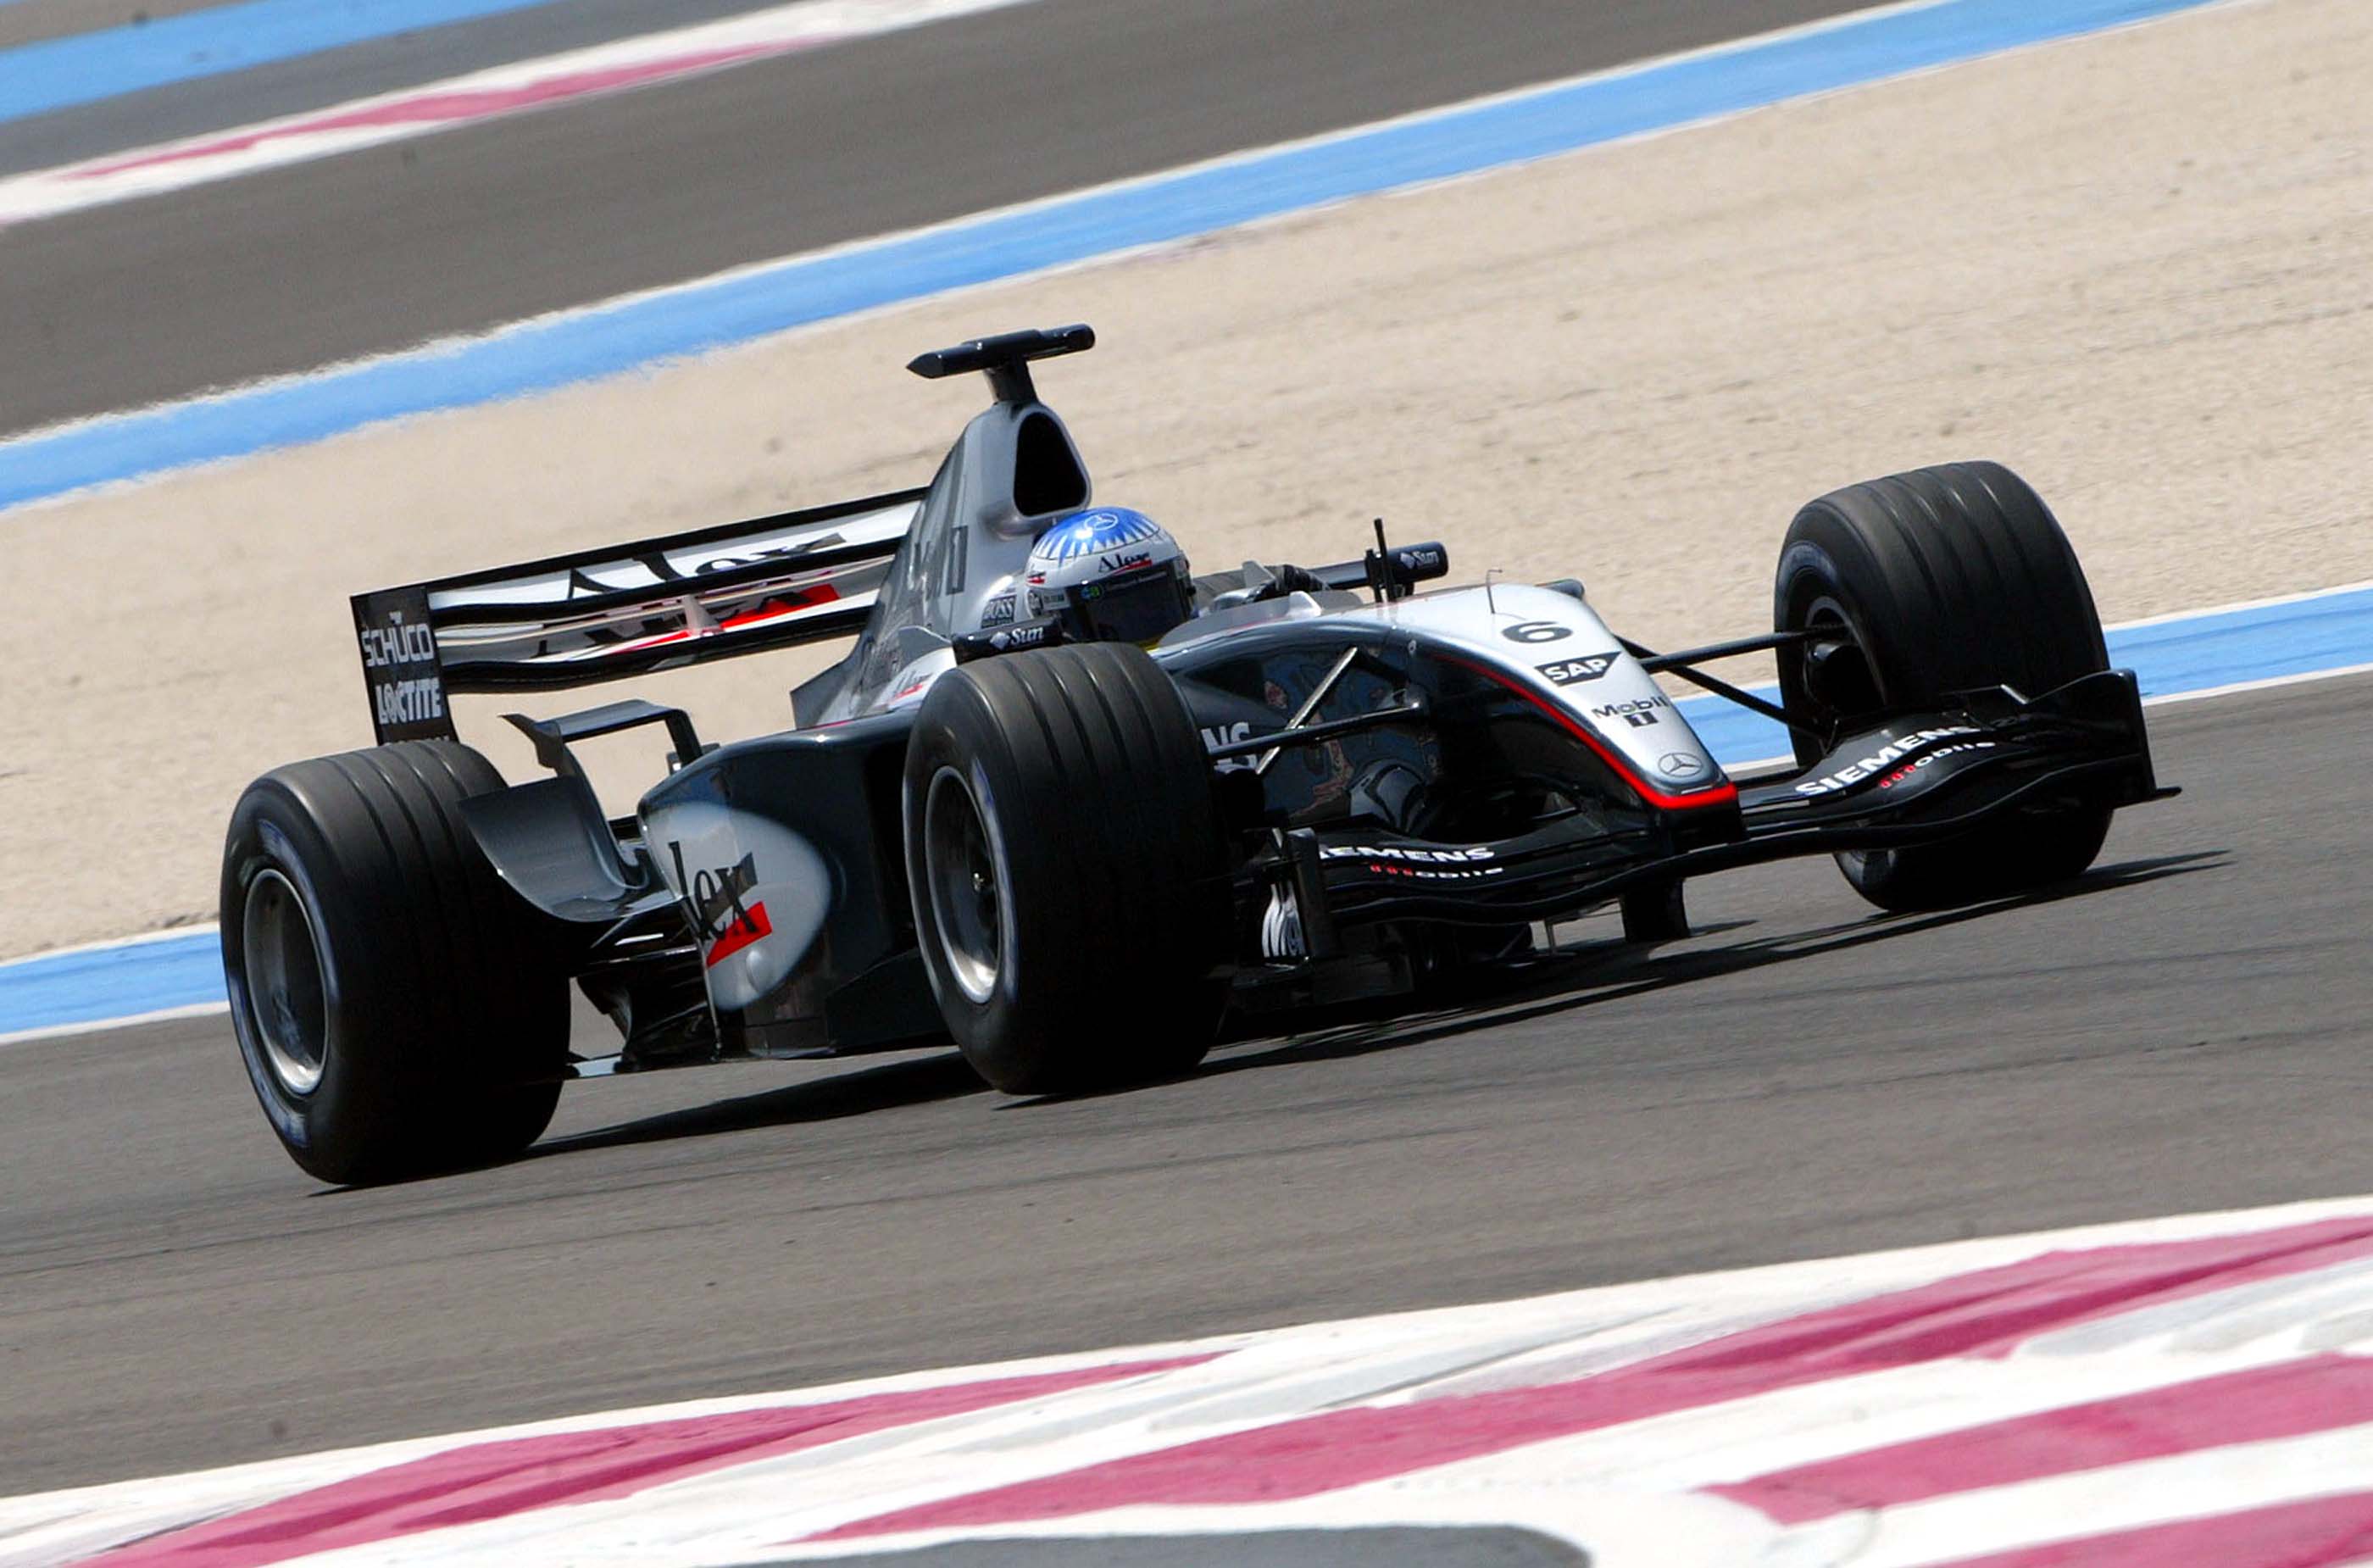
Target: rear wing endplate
x,y
601,615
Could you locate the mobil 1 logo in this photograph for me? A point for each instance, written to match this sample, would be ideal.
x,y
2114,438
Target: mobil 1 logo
x,y
399,650
1574,671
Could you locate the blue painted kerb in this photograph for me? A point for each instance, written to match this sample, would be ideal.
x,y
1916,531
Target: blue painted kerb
x,y
111,982
608,339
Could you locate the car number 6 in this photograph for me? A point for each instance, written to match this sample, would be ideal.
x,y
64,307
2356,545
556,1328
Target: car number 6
x,y
1536,631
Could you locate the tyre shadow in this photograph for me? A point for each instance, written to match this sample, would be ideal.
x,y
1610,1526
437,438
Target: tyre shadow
x,y
1613,970
940,1077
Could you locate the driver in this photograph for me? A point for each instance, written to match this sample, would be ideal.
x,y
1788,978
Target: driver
x,y
1109,575
1115,574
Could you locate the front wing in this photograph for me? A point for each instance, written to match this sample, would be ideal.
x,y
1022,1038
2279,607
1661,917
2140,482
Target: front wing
x,y
1920,779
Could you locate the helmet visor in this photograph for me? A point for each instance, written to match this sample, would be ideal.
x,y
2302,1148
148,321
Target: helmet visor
x,y
1137,608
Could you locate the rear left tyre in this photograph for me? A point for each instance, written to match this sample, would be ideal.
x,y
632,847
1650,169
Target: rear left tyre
x,y
399,1011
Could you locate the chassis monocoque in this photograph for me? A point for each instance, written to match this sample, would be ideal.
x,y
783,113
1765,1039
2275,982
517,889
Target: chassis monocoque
x,y
1075,860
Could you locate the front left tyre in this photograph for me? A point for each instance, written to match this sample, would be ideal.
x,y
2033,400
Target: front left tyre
x,y
399,1011
1067,865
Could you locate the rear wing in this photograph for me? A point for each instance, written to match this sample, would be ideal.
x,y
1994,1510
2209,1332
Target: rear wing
x,y
601,614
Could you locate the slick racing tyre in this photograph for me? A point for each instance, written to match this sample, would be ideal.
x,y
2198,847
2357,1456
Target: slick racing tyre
x,y
399,1011
1066,867
1942,579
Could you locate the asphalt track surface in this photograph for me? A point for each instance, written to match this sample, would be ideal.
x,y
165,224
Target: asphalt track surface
x,y
2190,1028
283,271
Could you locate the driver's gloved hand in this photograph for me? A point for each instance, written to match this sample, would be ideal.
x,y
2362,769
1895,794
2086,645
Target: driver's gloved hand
x,y
1288,579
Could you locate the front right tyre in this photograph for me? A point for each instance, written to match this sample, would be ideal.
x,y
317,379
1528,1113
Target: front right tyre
x,y
1939,580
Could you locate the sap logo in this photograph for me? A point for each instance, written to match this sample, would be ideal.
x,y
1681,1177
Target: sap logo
x,y
1129,561
1574,671
1640,712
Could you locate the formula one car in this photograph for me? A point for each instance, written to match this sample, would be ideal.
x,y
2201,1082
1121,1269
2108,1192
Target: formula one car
x,y
1070,806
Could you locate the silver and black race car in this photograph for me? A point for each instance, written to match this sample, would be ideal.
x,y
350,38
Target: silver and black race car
x,y
1072,807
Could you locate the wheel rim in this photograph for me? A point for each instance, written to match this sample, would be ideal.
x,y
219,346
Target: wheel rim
x,y
283,982
1854,687
967,885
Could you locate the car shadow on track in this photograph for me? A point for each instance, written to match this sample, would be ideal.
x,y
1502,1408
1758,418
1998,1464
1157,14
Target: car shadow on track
x,y
1611,971
912,1083
1575,977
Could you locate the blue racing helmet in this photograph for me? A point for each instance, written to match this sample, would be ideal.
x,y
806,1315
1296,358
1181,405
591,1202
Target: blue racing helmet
x,y
1109,575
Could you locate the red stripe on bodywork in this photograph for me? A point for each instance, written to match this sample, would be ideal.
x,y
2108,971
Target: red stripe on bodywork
x,y
1686,799
1989,1313
508,1476
2322,1532
2286,1400
782,606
